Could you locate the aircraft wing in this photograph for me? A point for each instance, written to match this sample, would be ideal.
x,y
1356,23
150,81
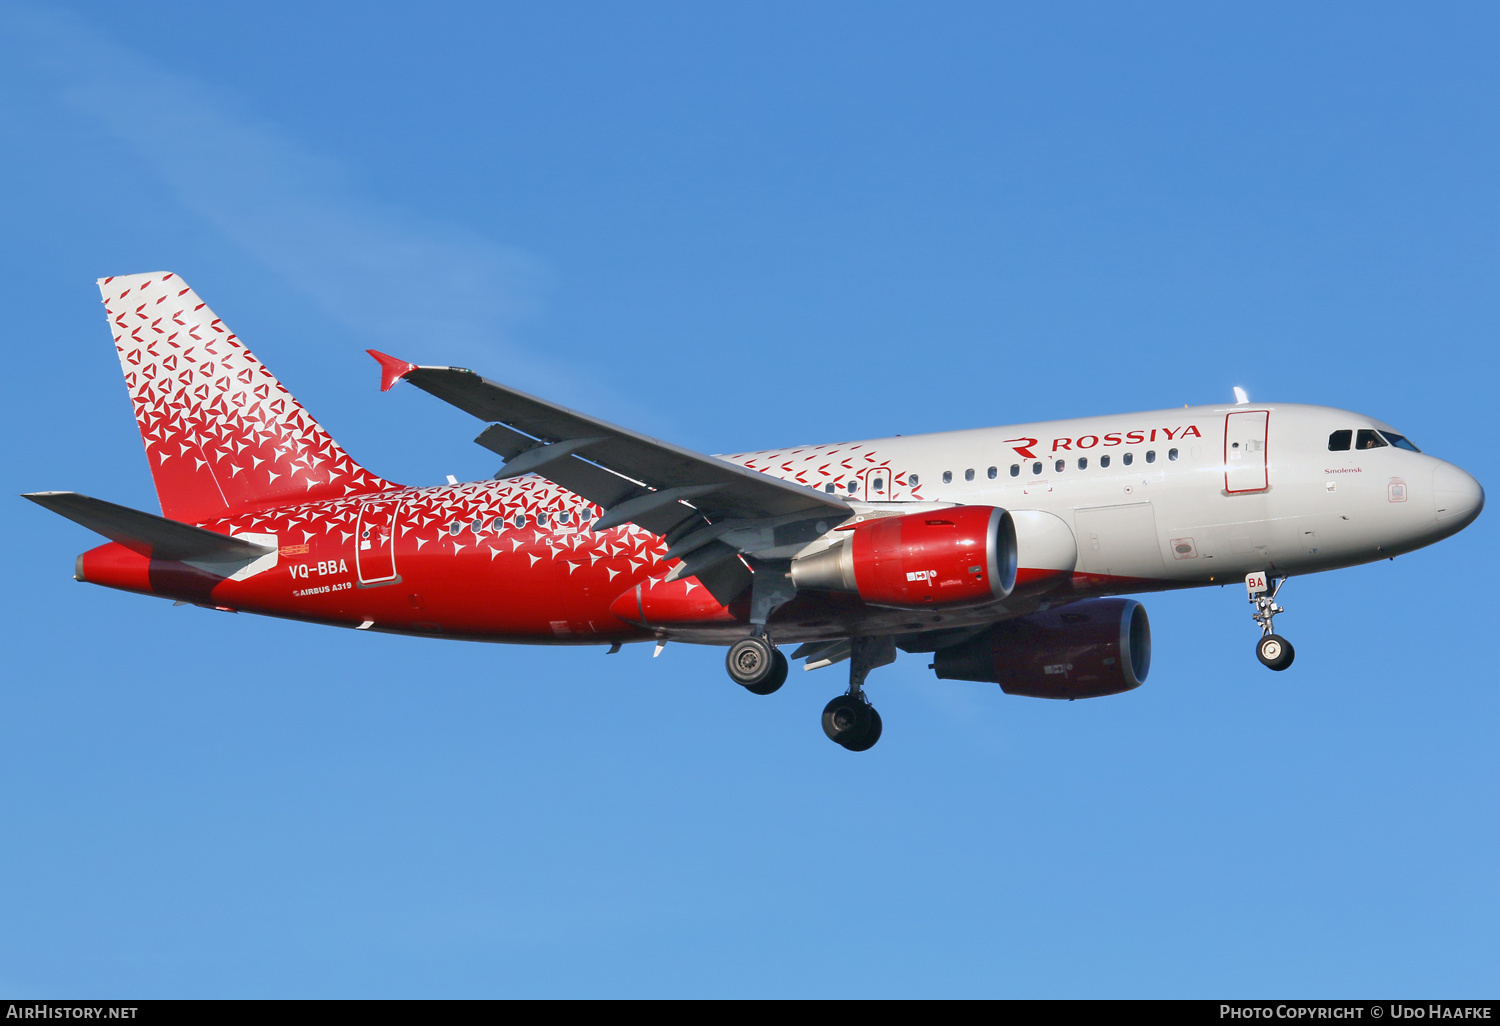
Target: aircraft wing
x,y
633,477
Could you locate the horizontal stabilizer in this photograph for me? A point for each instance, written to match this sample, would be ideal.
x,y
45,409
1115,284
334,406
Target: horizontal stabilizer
x,y
148,534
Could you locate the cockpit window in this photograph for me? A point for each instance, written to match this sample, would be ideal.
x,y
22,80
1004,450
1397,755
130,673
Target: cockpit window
x,y
1339,441
1368,439
1399,441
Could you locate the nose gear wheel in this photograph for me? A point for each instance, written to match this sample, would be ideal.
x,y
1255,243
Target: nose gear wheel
x,y
1272,650
1275,651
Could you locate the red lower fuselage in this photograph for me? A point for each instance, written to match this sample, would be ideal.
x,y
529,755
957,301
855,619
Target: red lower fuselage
x,y
512,561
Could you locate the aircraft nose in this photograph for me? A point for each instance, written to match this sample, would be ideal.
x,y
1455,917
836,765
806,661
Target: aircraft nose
x,y
1458,497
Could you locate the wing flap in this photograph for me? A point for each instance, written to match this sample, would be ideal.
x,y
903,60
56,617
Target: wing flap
x,y
725,581
601,487
504,442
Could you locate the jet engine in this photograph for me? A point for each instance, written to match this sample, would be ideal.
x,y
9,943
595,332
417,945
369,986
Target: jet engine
x,y
1083,650
959,556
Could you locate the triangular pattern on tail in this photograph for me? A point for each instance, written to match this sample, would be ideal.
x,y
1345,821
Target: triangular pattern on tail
x,y
221,433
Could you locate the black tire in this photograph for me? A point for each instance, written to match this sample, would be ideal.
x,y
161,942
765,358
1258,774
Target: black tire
x,y
777,678
851,722
751,662
872,733
1275,652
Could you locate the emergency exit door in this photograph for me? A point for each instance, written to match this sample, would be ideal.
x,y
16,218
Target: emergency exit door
x,y
1245,451
375,542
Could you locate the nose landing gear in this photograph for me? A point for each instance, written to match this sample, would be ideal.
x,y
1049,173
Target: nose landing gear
x,y
1272,650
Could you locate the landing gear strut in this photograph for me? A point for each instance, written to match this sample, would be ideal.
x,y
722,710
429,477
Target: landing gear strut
x,y
850,720
756,665
1272,650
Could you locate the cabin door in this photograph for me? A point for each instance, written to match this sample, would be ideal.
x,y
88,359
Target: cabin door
x,y
1245,451
375,542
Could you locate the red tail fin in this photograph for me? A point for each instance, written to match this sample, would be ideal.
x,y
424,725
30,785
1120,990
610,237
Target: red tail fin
x,y
220,431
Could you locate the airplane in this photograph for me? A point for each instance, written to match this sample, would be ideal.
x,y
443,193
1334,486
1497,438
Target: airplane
x,y
1005,552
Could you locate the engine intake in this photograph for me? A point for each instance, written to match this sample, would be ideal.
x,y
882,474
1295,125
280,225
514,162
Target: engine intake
x,y
1083,650
959,556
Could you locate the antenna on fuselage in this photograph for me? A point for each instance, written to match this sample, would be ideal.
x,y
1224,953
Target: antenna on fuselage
x,y
1240,398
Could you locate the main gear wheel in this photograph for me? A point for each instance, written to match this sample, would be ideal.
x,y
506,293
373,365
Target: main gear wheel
x,y
756,665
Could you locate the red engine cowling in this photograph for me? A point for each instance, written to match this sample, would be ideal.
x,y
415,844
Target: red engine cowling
x,y
960,556
1083,650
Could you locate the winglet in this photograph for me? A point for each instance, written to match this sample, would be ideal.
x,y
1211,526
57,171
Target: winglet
x,y
392,370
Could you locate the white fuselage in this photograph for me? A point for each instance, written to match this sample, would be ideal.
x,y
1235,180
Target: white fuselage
x,y
1170,498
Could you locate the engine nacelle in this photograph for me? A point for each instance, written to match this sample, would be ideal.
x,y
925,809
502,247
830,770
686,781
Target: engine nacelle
x,y
959,556
1083,650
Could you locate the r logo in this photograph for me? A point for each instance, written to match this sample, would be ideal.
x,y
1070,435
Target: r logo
x,y
1024,449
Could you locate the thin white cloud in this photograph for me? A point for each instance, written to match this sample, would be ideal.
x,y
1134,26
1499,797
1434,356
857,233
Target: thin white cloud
x,y
388,274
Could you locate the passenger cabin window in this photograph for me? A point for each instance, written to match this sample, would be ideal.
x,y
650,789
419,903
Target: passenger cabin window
x,y
454,527
1015,470
828,488
853,487
564,517
478,525
1399,441
969,474
497,525
585,515
520,520
1172,455
1083,463
1103,461
1036,468
1150,455
1061,465
911,479
541,520
947,477
1368,439
1339,441
1129,458
880,484
993,473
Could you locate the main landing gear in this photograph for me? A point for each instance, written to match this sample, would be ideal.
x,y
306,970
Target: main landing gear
x,y
1272,650
756,665
850,720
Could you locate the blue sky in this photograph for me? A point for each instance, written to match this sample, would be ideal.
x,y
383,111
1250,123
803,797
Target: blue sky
x,y
740,228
